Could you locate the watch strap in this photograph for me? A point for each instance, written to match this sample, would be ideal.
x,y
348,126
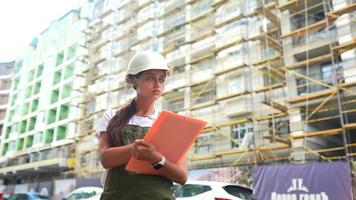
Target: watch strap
x,y
160,164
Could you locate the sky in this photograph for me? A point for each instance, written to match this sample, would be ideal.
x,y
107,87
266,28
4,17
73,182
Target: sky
x,y
22,20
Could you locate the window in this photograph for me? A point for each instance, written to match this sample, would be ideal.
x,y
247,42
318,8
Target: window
x,y
57,77
5,148
39,70
61,132
278,127
203,143
238,132
49,136
240,192
71,52
59,59
37,88
29,141
236,84
326,72
203,93
37,138
189,190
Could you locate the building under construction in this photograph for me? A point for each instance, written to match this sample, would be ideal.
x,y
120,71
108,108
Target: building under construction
x,y
5,84
276,80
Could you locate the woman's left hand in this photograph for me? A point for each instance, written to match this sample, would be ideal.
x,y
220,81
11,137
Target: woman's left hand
x,y
143,150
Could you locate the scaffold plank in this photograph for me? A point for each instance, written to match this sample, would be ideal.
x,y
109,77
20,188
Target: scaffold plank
x,y
218,3
271,16
276,105
337,13
341,48
316,133
279,139
202,105
307,29
266,60
202,16
229,44
223,23
271,116
205,57
315,60
287,5
270,87
201,36
234,68
312,96
351,126
232,96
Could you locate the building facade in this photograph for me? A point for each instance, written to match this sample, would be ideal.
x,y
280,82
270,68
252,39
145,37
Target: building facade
x,y
275,80
39,133
5,84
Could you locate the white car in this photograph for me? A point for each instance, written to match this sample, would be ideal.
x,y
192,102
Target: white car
x,y
209,190
84,193
96,197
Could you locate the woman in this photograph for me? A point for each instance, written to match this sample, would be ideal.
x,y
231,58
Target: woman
x,y
120,136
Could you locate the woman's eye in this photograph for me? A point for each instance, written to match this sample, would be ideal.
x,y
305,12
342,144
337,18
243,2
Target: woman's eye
x,y
161,80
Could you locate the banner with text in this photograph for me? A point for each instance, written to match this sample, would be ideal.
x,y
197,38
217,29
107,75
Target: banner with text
x,y
319,181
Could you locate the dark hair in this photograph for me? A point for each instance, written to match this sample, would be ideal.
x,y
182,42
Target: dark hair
x,y
117,123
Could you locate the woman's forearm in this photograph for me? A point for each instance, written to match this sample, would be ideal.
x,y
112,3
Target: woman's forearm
x,y
177,173
115,156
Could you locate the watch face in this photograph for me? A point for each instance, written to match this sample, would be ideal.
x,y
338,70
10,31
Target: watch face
x,y
157,166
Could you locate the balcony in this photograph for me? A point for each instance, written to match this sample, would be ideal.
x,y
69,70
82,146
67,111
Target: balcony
x,y
228,13
177,80
46,160
199,10
238,106
202,71
315,40
172,6
173,22
174,100
202,47
208,114
230,59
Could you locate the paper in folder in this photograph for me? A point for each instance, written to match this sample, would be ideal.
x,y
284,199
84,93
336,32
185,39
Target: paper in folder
x,y
172,134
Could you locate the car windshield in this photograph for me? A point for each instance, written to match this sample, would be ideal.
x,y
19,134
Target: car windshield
x,y
26,197
41,197
240,192
81,195
189,190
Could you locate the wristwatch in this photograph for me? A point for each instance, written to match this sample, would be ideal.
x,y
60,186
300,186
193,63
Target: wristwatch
x,y
160,164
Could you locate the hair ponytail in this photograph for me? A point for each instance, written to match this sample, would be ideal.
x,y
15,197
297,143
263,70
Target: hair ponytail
x,y
117,123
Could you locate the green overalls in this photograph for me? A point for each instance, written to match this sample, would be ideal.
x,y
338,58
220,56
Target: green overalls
x,y
123,185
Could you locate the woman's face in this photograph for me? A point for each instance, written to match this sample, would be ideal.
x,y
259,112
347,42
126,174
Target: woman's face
x,y
150,84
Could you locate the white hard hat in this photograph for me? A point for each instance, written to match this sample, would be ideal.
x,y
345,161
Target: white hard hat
x,y
146,60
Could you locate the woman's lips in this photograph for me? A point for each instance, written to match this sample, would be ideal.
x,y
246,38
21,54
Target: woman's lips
x,y
156,91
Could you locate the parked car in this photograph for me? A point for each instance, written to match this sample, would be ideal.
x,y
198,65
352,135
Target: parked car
x,y
83,193
28,196
96,197
4,195
208,190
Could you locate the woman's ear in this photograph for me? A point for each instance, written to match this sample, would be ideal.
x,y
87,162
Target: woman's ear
x,y
134,85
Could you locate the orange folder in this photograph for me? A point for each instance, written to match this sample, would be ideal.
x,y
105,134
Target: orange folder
x,y
172,134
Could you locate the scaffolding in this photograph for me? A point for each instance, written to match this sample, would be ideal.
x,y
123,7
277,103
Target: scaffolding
x,y
275,80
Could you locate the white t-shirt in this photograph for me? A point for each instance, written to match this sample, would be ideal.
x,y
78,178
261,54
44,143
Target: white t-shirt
x,y
135,120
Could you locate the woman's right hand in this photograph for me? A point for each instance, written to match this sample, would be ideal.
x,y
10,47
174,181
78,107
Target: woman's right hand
x,y
146,151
